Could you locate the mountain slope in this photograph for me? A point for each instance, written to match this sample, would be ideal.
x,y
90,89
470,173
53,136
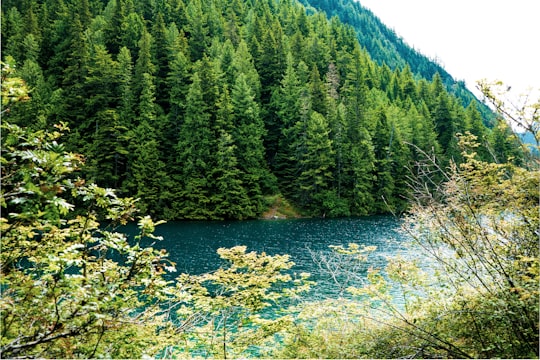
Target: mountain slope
x,y
207,109
386,47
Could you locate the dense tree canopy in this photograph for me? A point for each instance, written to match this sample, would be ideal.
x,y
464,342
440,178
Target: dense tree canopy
x,y
197,106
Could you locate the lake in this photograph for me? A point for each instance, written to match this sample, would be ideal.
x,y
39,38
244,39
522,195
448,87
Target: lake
x,y
192,245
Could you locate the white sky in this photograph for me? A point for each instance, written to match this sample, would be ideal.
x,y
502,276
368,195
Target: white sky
x,y
472,39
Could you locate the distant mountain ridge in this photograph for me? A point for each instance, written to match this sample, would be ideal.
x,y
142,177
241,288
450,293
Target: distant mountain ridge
x,y
386,47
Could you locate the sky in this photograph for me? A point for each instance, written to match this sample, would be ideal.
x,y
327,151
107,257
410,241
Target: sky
x,y
472,39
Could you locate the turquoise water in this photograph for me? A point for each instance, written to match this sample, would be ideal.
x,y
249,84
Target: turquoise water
x,y
192,245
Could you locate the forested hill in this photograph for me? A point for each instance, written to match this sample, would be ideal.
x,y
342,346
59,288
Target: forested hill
x,y
386,47
205,109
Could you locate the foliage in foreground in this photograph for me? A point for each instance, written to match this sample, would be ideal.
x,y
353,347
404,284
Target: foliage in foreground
x,y
237,309
472,293
70,287
74,287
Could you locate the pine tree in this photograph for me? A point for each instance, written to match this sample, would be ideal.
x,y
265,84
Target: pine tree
x,y
230,199
147,175
108,150
147,178
145,61
382,146
340,144
317,52
385,76
315,166
475,126
74,76
248,132
226,62
401,160
248,124
505,145
211,80
101,81
233,24
270,65
318,92
102,124
243,63
161,55
197,28
115,28
147,101
355,96
133,29
392,160
194,157
178,80
83,8
30,47
125,87
444,122
423,135
394,89
358,177
286,102
358,162
297,46
178,13
408,85
13,33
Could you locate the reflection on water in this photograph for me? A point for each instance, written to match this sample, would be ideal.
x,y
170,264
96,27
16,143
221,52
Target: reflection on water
x,y
192,245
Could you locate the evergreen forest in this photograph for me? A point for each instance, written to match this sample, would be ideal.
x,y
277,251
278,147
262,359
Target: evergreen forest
x,y
209,109
386,47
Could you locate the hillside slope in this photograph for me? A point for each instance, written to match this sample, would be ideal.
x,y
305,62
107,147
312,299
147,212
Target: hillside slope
x,y
386,47
206,109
